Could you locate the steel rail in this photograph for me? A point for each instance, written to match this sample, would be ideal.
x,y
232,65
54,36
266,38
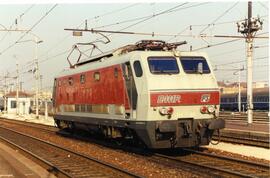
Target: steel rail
x,y
213,171
195,165
46,128
266,166
243,140
40,161
218,170
122,172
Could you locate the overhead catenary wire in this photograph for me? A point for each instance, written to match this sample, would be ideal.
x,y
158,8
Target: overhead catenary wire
x,y
199,25
173,9
237,69
147,18
63,39
227,52
225,42
47,13
24,34
154,15
170,10
220,16
263,5
93,18
236,62
21,15
144,17
113,11
216,44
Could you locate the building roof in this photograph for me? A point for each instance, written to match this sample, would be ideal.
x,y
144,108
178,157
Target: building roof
x,y
21,94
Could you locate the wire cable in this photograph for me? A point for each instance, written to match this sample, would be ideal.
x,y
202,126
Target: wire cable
x,y
225,42
93,18
22,14
263,5
236,62
224,13
10,46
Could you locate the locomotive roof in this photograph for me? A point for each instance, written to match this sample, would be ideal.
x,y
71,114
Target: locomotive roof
x,y
149,45
124,54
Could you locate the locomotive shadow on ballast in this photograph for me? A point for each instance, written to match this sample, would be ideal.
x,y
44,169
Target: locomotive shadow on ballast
x,y
150,91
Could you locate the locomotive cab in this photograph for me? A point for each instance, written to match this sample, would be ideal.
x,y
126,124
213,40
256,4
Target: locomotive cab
x,y
177,99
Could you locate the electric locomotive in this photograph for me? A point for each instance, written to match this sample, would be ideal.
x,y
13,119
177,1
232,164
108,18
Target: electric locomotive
x,y
148,92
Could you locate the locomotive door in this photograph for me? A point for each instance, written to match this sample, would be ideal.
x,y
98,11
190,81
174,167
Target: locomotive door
x,y
131,89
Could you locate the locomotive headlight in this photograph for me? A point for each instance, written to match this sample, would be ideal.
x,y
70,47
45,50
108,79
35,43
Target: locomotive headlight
x,y
211,109
163,111
166,111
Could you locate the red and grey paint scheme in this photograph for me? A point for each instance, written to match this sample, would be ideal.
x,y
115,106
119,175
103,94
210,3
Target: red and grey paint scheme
x,y
120,95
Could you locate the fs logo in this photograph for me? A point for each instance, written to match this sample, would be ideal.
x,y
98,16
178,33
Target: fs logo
x,y
169,99
205,98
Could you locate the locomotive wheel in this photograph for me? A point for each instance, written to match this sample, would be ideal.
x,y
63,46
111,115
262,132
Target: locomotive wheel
x,y
58,124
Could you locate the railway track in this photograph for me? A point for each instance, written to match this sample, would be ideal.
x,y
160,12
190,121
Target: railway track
x,y
258,117
60,161
45,128
217,165
199,163
244,138
230,136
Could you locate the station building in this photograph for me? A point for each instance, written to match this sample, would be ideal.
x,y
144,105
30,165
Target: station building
x,y
23,100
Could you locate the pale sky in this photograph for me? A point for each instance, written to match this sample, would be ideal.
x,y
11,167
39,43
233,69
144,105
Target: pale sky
x,y
187,19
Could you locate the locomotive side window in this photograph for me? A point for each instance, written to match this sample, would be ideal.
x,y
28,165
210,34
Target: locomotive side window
x,y
70,81
192,65
96,76
138,68
163,65
82,78
115,72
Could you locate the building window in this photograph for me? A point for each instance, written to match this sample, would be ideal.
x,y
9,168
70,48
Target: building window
x,y
82,79
13,104
138,68
96,76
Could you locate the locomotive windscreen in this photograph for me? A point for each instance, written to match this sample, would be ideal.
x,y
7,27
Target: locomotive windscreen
x,y
163,65
190,64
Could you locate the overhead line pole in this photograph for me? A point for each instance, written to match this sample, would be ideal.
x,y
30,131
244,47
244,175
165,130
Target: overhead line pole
x,y
249,66
37,77
17,88
5,93
248,28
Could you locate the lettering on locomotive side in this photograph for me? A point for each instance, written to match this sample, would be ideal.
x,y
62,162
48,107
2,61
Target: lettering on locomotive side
x,y
169,99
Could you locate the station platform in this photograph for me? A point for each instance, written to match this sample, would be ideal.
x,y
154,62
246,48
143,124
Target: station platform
x,y
14,164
